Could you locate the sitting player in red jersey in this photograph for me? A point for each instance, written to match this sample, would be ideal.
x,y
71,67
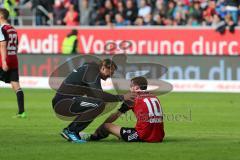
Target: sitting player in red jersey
x,y
148,112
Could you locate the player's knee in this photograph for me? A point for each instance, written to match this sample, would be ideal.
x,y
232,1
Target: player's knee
x,y
100,102
107,126
15,86
16,89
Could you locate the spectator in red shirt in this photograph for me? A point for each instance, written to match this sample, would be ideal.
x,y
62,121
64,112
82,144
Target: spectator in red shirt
x,y
210,10
72,17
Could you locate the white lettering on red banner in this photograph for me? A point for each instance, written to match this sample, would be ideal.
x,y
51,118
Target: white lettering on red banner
x,y
150,41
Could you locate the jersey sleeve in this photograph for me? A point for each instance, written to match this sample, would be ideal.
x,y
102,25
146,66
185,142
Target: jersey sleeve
x,y
2,37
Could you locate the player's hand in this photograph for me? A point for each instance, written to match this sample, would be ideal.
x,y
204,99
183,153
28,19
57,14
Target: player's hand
x,y
129,96
4,66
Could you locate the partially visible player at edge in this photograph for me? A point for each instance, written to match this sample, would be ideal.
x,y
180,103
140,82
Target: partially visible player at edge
x,y
148,112
8,59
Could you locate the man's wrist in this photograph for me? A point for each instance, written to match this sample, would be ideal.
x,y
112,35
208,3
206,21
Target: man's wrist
x,y
121,97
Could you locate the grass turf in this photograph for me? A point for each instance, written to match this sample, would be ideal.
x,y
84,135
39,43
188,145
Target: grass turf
x,y
198,126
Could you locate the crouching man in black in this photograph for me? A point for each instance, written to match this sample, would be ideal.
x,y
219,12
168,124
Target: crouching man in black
x,y
81,97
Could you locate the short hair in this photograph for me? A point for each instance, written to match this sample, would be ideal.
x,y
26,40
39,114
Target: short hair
x,y
141,82
108,63
4,12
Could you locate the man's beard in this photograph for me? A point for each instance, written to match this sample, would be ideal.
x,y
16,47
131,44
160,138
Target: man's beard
x,y
103,77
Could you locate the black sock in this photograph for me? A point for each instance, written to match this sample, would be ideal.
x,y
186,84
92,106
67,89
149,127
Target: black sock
x,y
97,137
20,100
94,138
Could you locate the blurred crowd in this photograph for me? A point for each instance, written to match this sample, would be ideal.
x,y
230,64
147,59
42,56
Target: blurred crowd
x,y
134,12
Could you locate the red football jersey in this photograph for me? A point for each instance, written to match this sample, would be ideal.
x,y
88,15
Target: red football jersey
x,y
149,114
9,34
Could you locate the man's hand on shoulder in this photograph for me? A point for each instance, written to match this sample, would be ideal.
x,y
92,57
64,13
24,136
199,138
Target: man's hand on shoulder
x,y
129,96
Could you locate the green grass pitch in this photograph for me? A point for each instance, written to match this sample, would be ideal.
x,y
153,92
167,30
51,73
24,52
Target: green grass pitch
x,y
202,126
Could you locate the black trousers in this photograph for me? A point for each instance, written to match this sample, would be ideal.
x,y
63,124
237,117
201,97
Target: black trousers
x,y
81,110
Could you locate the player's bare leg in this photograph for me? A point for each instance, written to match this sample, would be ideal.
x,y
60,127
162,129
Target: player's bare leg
x,y
113,129
20,99
102,132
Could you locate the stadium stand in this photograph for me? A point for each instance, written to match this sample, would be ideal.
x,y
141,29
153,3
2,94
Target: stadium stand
x,y
123,12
